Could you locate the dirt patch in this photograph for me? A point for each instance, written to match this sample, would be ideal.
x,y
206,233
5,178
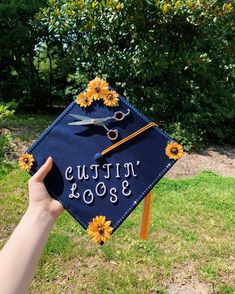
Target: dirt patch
x,y
193,288
220,160
184,280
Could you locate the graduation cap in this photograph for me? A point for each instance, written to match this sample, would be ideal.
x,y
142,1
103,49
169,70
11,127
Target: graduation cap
x,y
107,156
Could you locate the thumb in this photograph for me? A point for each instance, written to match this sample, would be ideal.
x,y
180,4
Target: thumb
x,y
40,175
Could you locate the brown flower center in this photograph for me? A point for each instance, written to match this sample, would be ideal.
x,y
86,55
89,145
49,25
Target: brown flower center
x,y
174,151
26,160
110,97
97,89
86,100
101,230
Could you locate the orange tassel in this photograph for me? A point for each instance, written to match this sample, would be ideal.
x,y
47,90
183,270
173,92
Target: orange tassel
x,y
145,217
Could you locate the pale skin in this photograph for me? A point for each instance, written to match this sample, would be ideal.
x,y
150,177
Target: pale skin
x,y
20,255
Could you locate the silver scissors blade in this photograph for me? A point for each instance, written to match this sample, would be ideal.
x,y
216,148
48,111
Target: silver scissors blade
x,y
81,117
82,122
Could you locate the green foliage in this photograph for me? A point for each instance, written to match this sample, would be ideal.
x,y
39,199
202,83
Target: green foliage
x,y
173,59
19,77
5,138
189,138
5,111
76,82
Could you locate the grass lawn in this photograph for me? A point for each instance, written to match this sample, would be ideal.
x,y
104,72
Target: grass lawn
x,y
192,235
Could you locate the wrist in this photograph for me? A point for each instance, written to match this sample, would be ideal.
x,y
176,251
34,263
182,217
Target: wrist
x,y
41,214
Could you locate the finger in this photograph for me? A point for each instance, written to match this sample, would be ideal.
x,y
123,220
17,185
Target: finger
x,y
40,175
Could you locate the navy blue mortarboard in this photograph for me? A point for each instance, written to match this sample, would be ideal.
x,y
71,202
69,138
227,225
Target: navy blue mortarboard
x,y
107,158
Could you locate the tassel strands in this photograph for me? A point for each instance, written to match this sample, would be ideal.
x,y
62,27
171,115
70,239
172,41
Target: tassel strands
x,y
145,217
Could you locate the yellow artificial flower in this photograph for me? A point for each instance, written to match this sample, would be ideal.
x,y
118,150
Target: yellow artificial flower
x,y
98,88
111,99
26,161
174,150
84,99
100,229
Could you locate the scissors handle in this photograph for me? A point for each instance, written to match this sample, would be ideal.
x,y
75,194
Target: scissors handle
x,y
119,115
112,134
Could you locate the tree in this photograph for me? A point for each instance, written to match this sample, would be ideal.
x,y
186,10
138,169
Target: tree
x,y
19,76
172,59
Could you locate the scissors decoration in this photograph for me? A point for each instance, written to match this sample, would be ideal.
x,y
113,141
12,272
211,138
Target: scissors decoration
x,y
112,134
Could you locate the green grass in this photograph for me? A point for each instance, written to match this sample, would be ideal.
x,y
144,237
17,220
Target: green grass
x,y
192,234
27,126
22,130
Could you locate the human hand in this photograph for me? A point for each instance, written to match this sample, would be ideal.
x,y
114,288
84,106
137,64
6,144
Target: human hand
x,y
39,198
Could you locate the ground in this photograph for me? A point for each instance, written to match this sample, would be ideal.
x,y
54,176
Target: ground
x,y
220,160
217,159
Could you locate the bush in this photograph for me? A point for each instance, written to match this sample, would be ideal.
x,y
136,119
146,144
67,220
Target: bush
x,y
188,139
6,111
172,59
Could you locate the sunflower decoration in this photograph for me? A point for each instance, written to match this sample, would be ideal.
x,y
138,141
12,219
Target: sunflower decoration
x,y
100,229
84,99
174,150
98,88
111,99
26,161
